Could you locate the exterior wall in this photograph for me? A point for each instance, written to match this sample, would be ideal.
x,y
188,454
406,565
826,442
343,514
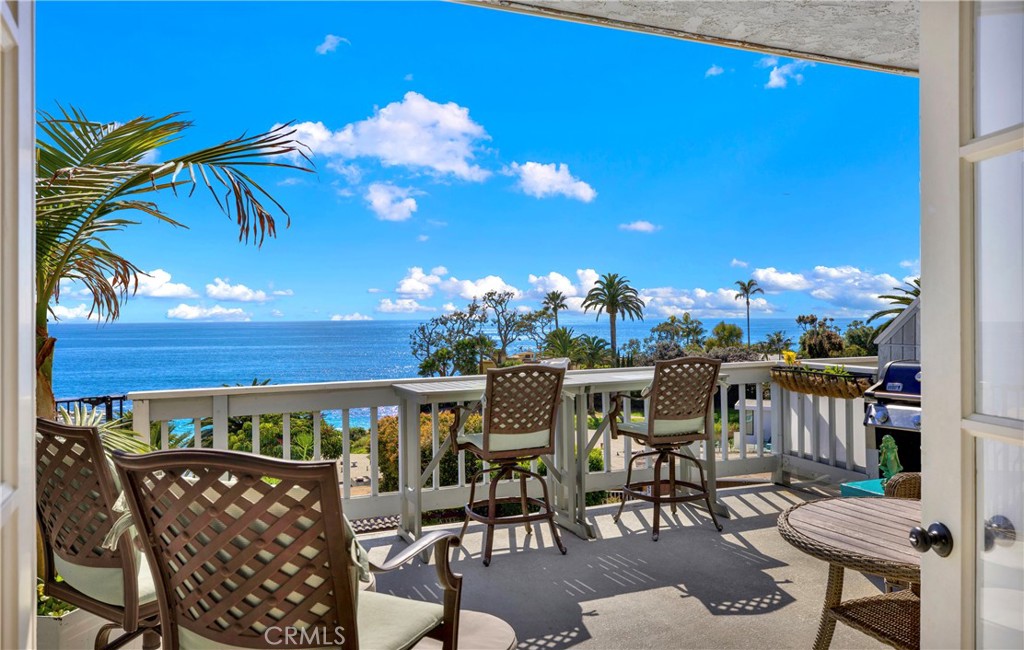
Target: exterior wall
x,y
902,340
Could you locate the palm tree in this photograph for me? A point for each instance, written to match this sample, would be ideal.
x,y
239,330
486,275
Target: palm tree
x,y
614,295
777,342
692,330
88,173
747,289
555,301
564,343
593,350
898,302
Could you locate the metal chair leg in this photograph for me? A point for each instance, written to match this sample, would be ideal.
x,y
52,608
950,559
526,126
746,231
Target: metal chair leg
x,y
469,506
492,511
150,640
707,494
656,495
672,482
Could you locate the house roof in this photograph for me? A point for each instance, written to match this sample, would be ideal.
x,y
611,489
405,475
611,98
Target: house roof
x,y
895,324
873,34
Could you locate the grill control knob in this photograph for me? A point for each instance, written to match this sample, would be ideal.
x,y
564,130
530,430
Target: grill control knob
x,y
881,414
916,420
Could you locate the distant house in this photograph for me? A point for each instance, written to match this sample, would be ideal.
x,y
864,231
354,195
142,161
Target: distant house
x,y
901,339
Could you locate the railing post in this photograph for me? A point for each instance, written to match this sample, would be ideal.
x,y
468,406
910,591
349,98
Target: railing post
x,y
140,419
220,422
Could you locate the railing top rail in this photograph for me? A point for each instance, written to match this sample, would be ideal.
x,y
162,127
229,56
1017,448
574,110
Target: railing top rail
x,y
370,384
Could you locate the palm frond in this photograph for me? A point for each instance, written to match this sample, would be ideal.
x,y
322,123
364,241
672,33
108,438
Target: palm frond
x,y
114,434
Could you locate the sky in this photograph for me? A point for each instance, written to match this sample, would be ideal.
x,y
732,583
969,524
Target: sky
x,y
460,149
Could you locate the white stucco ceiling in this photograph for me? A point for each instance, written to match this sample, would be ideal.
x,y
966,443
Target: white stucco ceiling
x,y
876,34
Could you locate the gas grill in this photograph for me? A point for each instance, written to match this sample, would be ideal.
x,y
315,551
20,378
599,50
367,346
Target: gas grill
x,y
893,407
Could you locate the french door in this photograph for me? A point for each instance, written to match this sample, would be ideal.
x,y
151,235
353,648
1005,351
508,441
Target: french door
x,y
972,240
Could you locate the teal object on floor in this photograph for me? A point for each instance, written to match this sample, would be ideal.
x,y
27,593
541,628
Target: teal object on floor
x,y
869,488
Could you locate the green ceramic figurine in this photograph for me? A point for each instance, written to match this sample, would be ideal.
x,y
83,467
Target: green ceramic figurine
x,y
889,459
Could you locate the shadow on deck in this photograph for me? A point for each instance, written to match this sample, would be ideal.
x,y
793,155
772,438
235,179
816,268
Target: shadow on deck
x,y
694,588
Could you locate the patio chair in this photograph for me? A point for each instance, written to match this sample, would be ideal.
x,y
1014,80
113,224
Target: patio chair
x,y
520,409
905,485
76,490
680,401
264,558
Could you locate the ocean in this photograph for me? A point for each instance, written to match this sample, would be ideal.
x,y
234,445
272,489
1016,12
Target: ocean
x,y
118,358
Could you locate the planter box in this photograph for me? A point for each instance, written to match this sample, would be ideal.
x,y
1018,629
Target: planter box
x,y
74,631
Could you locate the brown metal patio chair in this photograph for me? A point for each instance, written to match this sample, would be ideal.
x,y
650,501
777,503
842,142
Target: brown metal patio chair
x,y
253,552
680,400
76,490
519,414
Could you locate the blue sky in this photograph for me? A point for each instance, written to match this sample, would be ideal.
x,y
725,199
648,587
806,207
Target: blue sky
x,y
461,149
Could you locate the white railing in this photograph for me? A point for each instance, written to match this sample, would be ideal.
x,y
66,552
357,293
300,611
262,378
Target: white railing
x,y
778,432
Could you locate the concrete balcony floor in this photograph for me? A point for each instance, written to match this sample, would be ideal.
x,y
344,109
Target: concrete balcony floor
x,y
694,588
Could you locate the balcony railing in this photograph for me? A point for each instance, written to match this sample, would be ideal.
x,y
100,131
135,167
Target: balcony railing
x,y
779,432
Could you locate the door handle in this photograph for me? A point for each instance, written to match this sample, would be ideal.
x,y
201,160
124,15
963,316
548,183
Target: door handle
x,y
937,538
999,530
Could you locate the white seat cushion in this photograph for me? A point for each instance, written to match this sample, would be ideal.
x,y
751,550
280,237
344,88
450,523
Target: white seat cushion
x,y
665,427
106,584
385,623
508,441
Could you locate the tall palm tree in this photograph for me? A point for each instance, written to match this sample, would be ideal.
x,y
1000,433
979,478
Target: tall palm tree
x,y
898,302
593,350
614,295
564,343
555,301
88,173
777,342
747,289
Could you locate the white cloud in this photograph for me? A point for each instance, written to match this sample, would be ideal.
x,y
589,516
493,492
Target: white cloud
x,y
283,292
449,307
474,289
222,290
553,281
780,75
913,265
290,181
390,202
436,223
540,180
81,312
408,77
157,284
573,291
768,62
737,262
331,43
276,313
771,279
713,71
415,132
151,157
351,172
720,303
216,313
356,316
401,306
374,290
422,238
639,226
418,284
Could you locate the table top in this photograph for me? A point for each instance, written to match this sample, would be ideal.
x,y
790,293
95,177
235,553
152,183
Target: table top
x,y
865,534
576,381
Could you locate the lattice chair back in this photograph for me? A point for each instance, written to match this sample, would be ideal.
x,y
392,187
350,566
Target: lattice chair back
x,y
681,396
247,548
521,410
76,490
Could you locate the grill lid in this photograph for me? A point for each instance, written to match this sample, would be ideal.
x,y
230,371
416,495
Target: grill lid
x,y
900,381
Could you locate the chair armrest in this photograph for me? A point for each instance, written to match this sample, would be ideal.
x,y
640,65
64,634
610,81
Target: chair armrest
x,y
440,540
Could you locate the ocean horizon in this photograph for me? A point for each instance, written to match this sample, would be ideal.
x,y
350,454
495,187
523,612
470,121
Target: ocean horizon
x,y
118,358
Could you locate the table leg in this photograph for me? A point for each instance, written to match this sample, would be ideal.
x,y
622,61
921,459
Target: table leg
x,y
833,596
581,457
409,487
711,469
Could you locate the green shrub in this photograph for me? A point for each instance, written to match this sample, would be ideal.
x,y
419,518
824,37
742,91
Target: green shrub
x,y
387,449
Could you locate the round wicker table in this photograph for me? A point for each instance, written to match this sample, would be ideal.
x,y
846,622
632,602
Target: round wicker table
x,y
868,535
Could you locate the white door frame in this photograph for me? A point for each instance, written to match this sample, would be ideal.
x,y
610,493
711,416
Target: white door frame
x,y
951,427
17,341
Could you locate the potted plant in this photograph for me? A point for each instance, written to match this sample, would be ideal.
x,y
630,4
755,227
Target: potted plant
x,y
831,381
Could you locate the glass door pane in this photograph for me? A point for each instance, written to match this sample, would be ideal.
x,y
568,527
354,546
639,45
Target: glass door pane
x,y
1000,540
999,286
999,65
